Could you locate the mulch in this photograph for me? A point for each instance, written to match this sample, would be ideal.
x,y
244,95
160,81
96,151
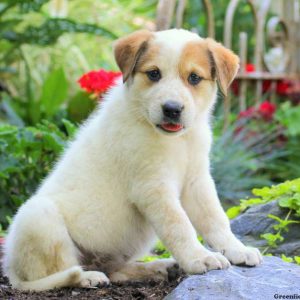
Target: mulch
x,y
131,290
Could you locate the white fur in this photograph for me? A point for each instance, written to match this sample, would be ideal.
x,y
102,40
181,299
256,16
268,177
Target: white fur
x,y
120,183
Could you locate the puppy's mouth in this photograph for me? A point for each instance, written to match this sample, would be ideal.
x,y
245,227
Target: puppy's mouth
x,y
170,127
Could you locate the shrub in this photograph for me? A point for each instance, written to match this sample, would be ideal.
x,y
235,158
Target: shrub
x,y
26,156
241,156
287,195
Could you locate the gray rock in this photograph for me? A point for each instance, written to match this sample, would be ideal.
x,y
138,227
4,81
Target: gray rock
x,y
250,225
272,277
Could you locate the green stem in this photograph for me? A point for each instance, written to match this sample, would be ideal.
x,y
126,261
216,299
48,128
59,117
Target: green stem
x,y
28,85
279,231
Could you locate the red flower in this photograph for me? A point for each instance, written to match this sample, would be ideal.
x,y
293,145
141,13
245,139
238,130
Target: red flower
x,y
267,110
98,82
250,68
266,85
283,87
235,87
248,113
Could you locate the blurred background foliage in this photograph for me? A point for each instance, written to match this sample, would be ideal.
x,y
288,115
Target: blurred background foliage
x,y
195,19
46,46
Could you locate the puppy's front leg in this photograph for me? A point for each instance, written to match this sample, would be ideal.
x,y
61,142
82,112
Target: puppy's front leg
x,y
201,202
159,203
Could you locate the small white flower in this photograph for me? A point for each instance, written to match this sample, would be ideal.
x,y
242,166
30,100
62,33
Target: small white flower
x,y
58,8
276,59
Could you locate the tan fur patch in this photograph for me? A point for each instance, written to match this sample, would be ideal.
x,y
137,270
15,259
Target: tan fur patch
x,y
57,262
208,58
149,59
128,50
226,61
194,58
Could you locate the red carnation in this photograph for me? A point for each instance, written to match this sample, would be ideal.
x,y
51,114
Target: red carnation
x,y
248,113
250,68
282,87
267,110
98,82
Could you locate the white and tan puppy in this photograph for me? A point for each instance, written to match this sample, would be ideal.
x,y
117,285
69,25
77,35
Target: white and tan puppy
x,y
138,169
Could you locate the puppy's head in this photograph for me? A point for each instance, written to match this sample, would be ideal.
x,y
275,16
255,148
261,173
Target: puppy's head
x,y
173,75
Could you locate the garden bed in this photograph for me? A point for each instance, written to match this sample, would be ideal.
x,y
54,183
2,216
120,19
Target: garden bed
x,y
128,291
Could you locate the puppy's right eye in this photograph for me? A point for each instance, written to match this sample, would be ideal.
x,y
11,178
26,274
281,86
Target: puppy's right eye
x,y
194,79
154,75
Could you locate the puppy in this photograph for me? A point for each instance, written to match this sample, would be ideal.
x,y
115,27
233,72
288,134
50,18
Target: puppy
x,y
138,169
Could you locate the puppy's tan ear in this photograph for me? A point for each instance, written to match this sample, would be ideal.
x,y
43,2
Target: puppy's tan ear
x,y
128,50
225,63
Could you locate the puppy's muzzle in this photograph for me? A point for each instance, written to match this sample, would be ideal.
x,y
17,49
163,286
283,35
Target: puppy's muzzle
x,y
172,111
171,121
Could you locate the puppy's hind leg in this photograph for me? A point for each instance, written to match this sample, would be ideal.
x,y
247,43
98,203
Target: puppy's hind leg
x,y
159,269
39,253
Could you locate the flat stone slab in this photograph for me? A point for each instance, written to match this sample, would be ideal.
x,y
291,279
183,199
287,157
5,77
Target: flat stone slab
x,y
272,278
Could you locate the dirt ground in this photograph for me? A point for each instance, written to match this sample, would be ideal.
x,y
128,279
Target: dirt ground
x,y
133,290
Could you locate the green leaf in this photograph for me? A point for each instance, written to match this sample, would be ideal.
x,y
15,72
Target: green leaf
x,y
54,92
289,116
80,106
34,111
250,202
12,115
297,259
233,212
287,259
70,127
31,5
6,130
149,258
51,30
272,238
275,218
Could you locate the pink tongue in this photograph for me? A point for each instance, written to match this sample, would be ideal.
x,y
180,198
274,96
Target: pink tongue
x,y
172,127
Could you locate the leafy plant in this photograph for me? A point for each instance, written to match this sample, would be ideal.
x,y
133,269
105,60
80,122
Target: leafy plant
x,y
48,32
287,195
264,137
240,159
160,251
32,97
34,107
45,33
26,156
288,117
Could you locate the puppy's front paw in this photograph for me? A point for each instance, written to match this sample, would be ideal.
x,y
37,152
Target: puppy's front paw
x,y
205,262
243,256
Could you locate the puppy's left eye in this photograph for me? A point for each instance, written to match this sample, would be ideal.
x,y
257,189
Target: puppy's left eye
x,y
194,79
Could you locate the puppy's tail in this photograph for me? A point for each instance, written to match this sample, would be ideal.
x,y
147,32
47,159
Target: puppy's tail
x,y
66,278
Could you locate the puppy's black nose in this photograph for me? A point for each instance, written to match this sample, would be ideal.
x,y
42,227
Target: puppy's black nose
x,y
172,110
